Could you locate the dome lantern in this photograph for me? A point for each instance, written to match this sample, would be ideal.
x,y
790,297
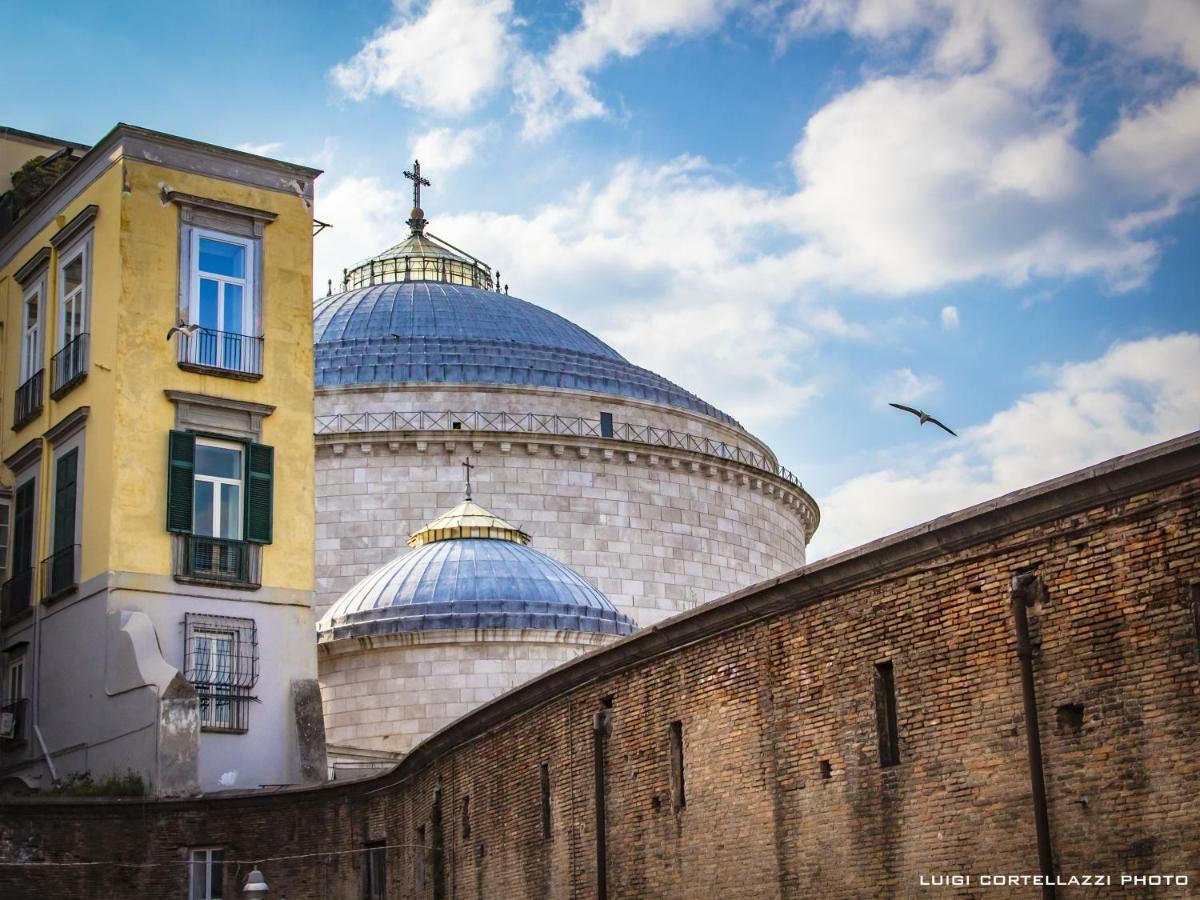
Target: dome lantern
x,y
422,256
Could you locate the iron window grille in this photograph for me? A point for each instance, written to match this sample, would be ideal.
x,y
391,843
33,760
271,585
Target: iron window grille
x,y
219,560
60,572
221,662
69,366
15,596
223,351
28,401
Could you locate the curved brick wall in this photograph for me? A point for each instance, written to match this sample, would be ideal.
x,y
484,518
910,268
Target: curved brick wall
x,y
768,685
657,530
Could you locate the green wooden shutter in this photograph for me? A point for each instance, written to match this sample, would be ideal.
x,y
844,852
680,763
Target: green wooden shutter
x,y
64,500
22,540
181,464
260,477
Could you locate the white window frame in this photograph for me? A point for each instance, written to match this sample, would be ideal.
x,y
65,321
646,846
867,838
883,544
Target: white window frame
x,y
209,717
31,336
248,283
14,684
216,481
201,863
82,247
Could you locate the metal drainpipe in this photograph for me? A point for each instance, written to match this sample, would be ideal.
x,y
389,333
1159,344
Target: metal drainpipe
x,y
601,728
1026,588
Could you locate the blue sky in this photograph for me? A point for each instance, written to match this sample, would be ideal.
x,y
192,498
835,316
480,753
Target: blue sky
x,y
798,210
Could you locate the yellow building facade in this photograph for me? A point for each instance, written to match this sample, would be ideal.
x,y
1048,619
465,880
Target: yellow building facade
x,y
156,501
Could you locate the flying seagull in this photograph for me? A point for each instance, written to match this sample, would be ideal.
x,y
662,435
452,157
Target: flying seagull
x,y
923,416
185,329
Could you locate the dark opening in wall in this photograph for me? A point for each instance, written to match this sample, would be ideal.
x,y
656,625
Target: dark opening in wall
x,y
678,795
375,871
466,816
1070,718
1196,611
606,424
826,770
456,426
885,714
545,774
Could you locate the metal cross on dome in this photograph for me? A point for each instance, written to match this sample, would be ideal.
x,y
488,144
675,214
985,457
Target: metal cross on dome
x,y
466,464
417,180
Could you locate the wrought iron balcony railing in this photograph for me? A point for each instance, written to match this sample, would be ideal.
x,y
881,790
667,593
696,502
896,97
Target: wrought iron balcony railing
x,y
537,423
69,366
60,572
19,710
203,348
217,559
15,596
29,399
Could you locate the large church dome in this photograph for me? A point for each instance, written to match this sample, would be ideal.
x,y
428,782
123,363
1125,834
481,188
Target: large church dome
x,y
437,332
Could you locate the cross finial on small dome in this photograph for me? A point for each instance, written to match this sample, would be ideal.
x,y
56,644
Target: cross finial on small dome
x,y
466,464
417,221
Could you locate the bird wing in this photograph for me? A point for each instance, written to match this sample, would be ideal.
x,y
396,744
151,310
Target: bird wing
x,y
941,426
909,409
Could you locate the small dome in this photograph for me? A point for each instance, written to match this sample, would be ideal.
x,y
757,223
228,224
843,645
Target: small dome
x,y
456,581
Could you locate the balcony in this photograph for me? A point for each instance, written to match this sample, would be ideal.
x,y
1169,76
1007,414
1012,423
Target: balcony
x,y
220,561
29,400
15,596
19,710
220,352
69,366
60,572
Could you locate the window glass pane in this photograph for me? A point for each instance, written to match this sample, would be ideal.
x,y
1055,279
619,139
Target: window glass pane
x,y
31,310
73,274
222,659
221,462
199,876
230,520
232,320
202,521
208,304
217,885
222,258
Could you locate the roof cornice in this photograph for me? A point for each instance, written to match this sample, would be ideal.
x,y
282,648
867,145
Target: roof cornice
x,y
157,148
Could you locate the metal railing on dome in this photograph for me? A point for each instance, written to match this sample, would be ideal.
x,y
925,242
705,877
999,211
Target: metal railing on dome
x,y
539,423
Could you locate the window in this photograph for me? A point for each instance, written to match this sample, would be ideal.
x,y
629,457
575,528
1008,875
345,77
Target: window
x,y
208,874
375,872
15,685
885,715
74,277
4,510
60,568
221,662
219,497
222,304
19,586
217,509
28,402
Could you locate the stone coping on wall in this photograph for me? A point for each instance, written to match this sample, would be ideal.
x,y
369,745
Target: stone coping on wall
x,y
790,495
1117,479
466,637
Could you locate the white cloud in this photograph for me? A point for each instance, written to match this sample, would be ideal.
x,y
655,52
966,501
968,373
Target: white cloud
x,y
1136,394
1164,29
367,217
448,148
443,58
905,386
556,90
268,149
949,318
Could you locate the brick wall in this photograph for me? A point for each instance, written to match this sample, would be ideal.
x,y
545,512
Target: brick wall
x,y
768,684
